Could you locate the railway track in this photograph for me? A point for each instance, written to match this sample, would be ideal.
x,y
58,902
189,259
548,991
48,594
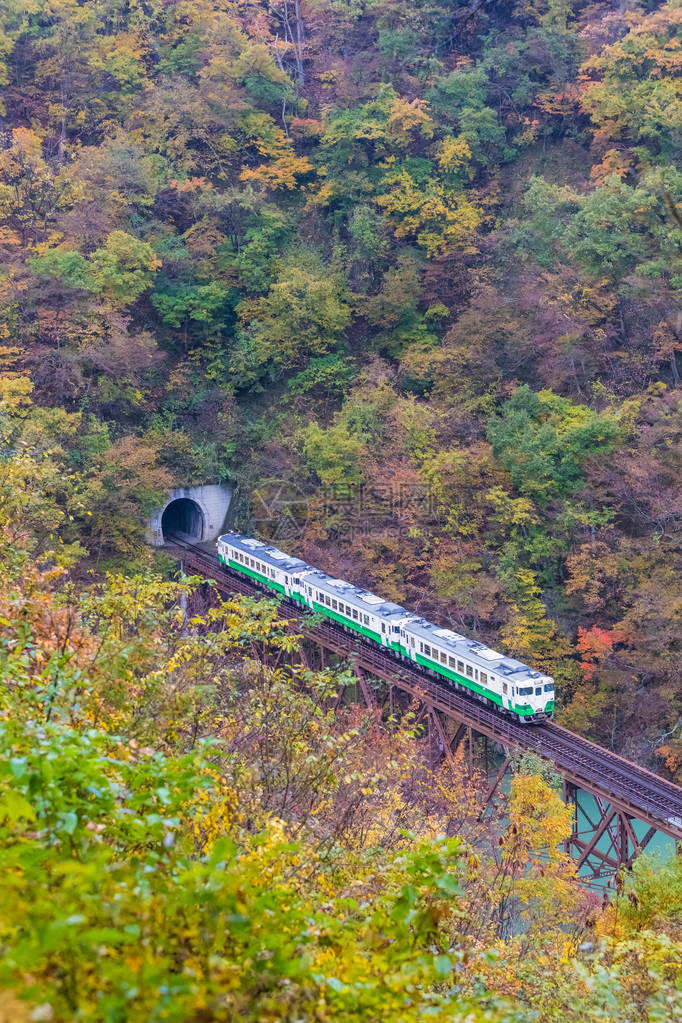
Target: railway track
x,y
628,787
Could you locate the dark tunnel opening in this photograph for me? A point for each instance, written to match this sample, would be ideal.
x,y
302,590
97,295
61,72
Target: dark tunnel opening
x,y
183,516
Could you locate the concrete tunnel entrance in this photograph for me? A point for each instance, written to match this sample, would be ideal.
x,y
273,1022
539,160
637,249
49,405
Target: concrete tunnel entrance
x,y
198,513
183,516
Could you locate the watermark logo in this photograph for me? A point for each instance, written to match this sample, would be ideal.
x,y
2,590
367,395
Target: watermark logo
x,y
281,509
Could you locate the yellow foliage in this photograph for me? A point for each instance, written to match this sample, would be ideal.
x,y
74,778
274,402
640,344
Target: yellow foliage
x,y
437,217
452,154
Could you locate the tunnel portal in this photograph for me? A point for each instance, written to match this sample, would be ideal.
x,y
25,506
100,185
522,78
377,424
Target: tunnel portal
x,y
183,516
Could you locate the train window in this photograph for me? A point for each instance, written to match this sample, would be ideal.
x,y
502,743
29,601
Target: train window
x,y
414,642
453,662
484,678
504,688
549,688
396,628
427,650
443,658
460,667
525,690
470,671
538,690
366,619
335,606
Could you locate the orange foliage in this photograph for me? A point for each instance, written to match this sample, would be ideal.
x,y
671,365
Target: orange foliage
x,y
595,645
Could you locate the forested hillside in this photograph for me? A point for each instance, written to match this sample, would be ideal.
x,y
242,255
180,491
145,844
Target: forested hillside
x,y
406,274
418,260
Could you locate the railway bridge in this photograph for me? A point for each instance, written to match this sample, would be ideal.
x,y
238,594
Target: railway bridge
x,y
618,807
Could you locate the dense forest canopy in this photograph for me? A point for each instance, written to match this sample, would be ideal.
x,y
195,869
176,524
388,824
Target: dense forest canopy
x,y
409,271
339,245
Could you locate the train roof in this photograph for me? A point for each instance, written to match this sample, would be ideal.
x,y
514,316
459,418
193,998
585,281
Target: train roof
x,y
265,552
355,595
471,650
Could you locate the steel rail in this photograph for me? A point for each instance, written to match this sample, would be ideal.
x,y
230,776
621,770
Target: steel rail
x,y
629,788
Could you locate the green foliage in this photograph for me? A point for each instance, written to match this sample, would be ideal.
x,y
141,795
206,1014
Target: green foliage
x,y
543,441
120,271
304,314
331,373
334,455
201,303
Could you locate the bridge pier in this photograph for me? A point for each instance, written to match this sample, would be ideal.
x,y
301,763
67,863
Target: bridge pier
x,y
604,838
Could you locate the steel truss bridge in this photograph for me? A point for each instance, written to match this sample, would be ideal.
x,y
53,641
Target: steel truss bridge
x,y
618,807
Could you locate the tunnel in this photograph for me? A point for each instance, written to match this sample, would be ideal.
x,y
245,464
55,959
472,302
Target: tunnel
x,y
183,516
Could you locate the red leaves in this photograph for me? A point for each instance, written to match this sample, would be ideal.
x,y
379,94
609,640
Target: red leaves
x,y
595,645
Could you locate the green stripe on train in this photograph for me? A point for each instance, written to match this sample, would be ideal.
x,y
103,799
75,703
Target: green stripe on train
x,y
254,575
323,609
468,682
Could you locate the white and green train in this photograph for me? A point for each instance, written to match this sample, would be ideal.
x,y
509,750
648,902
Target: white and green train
x,y
464,663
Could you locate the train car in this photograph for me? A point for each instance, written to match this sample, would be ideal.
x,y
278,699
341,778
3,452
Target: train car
x,y
472,666
494,678
262,563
